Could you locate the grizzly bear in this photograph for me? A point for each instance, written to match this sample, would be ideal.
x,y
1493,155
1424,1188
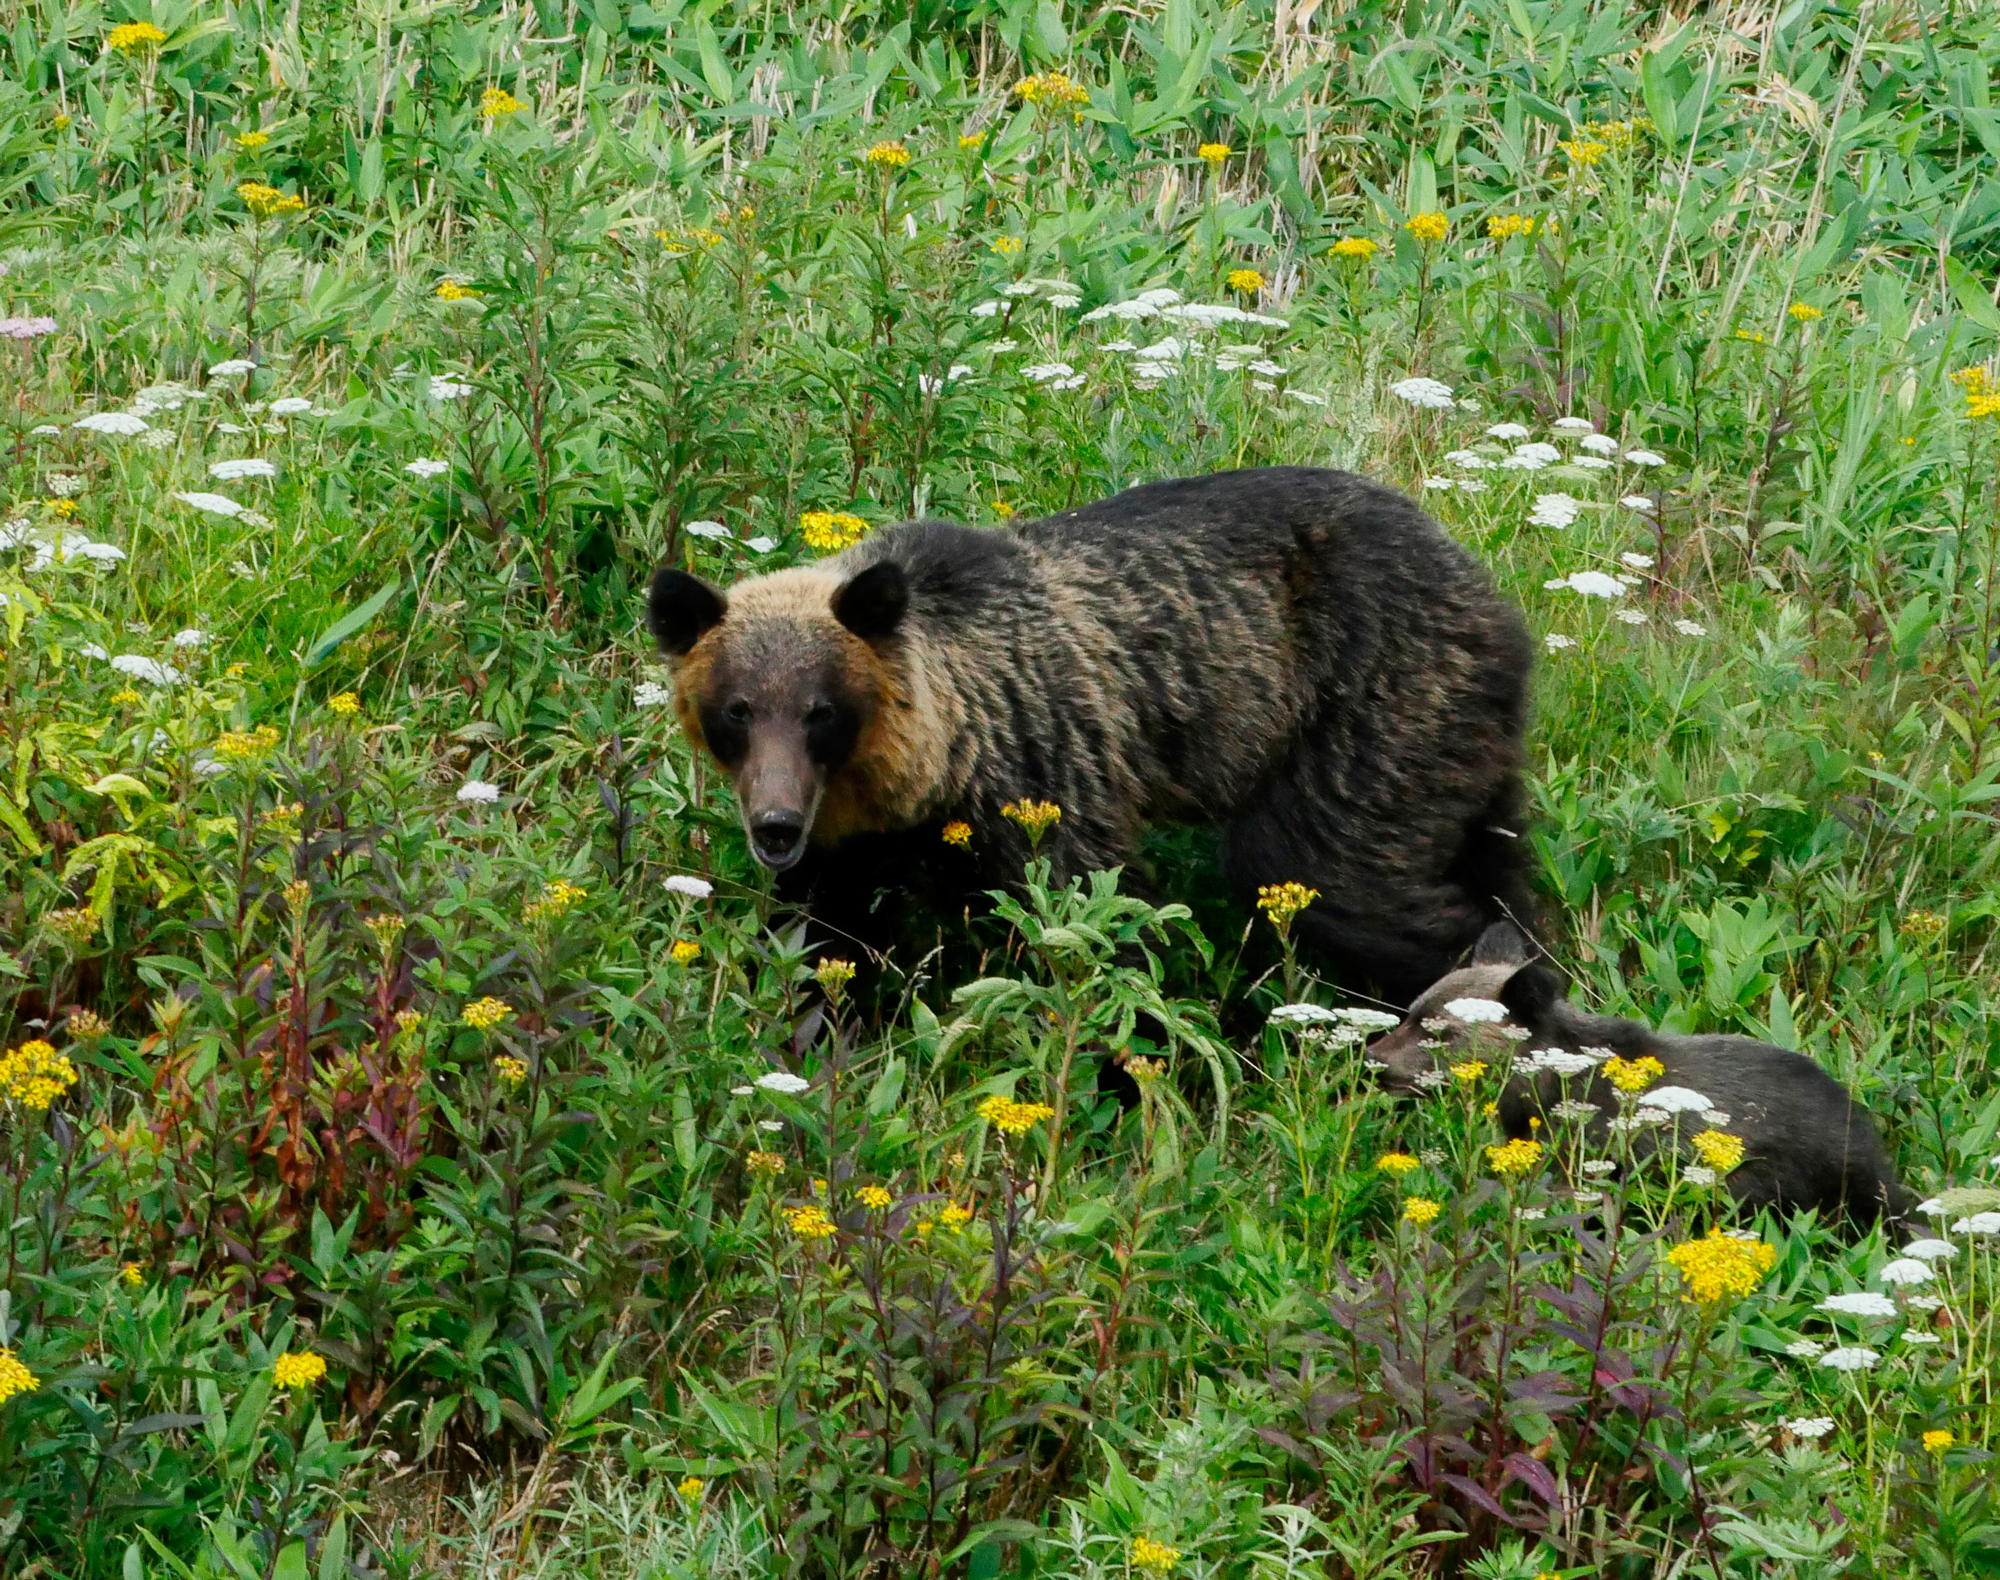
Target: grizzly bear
x,y
1299,657
1806,1142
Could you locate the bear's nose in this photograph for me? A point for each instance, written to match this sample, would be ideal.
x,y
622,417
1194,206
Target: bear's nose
x,y
777,834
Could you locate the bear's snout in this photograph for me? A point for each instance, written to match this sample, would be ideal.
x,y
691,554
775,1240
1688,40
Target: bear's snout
x,y
778,839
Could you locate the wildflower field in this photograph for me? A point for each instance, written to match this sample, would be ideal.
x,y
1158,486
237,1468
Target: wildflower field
x,y
424,1146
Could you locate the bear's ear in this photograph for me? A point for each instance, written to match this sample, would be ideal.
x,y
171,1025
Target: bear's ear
x,y
680,609
1530,993
1502,944
873,603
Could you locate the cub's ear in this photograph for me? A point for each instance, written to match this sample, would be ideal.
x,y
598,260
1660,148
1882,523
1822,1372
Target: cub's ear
x,y
873,603
1530,993
1502,944
680,608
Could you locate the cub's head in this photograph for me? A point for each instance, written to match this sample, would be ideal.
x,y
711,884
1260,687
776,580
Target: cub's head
x,y
782,678
1466,1012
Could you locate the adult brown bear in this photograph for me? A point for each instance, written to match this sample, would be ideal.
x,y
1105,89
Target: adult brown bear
x,y
1301,657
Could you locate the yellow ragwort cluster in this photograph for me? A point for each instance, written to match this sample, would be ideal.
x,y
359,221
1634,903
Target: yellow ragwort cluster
x,y
343,705
1721,1267
1718,1149
829,530
808,1223
1282,901
1428,227
1397,1164
265,200
387,928
250,142
765,1165
298,1371
1153,1558
1213,154
1511,1159
35,1075
1938,1441
685,951
874,1198
496,102
14,1377
1421,1210
1502,226
1245,280
1619,135
1804,313
834,975
483,1014
1012,1118
1037,817
888,156
510,1071
134,37
242,746
1584,151
455,291
679,243
1633,1075
957,832
1354,247
1052,90
555,899
1468,1072
690,1487
1006,246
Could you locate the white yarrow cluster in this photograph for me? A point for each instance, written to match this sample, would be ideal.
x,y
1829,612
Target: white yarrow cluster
x,y
1674,1100
1850,1358
147,669
1907,1270
1554,510
1428,394
1865,1303
123,424
1809,1428
651,694
427,466
686,883
1591,584
445,387
1477,1011
213,504
249,466
783,1081
477,792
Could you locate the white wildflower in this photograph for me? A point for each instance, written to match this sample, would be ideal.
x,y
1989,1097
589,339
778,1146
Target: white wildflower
x,y
1805,1349
1865,1303
1850,1358
760,545
1931,1250
64,485
986,310
1590,463
191,638
1574,425
1810,1428
1560,1061
1265,366
1922,1302
290,406
1547,454
1916,1336
1018,288
444,387
686,883
1118,345
147,669
1637,501
249,466
1303,1015
478,792
1440,482
1575,1109
1592,584
1428,394
708,529
1042,372
1696,1174
1907,1270
742,1091
1630,616
1471,485
233,368
1477,1011
649,694
1978,1223
45,430
1637,562
1597,1168
214,504
1645,458
1309,400
1507,430
1065,303
1467,460
118,422
1522,463
1690,628
1556,642
1554,510
1171,349
1674,1100
783,1081
427,466
1599,443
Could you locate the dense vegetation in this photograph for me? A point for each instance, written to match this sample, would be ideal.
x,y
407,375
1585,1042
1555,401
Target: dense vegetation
x,y
386,1187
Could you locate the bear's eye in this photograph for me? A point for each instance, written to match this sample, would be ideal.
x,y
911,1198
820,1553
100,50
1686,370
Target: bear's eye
x,y
738,712
818,717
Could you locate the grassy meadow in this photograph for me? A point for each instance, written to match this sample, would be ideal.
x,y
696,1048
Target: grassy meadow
x,y
385,988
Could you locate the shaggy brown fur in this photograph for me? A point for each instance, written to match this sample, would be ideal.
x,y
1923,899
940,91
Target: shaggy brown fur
x,y
1300,656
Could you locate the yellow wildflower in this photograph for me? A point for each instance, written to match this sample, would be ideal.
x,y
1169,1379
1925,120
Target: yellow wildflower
x,y
511,1071
14,1377
556,898
1804,313
1012,1118
1923,926
874,1197
955,1216
808,1223
1512,1158
765,1165
67,509
1155,1558
387,928
133,1273
73,926
1428,227
35,1075
1354,247
59,122
957,832
250,141
408,1020
1468,1072
87,1025
1003,510
485,1013
1397,1163
1633,1075
125,696
1621,135
243,746
828,530
1282,901
1755,336
1421,1210
971,140
454,291
264,200
1037,817
1213,154
134,36
1972,380
1937,1442
1502,226
1245,280
343,704
690,1487
1006,246
1982,405
834,975
1718,1149
685,951
888,156
300,1370
1584,151
1721,1266
1052,90
496,102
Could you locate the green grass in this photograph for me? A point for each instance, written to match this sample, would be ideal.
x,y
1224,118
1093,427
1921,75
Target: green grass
x,y
549,1283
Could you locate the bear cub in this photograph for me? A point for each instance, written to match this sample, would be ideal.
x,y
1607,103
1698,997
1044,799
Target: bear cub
x,y
1806,1142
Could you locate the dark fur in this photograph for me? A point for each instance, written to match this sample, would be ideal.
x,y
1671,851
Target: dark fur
x,y
1807,1143
1300,656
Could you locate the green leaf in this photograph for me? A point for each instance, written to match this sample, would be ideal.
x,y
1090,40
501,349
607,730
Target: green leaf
x,y
350,623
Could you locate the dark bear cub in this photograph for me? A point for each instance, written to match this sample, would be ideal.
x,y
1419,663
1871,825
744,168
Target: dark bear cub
x,y
1300,658
1806,1142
